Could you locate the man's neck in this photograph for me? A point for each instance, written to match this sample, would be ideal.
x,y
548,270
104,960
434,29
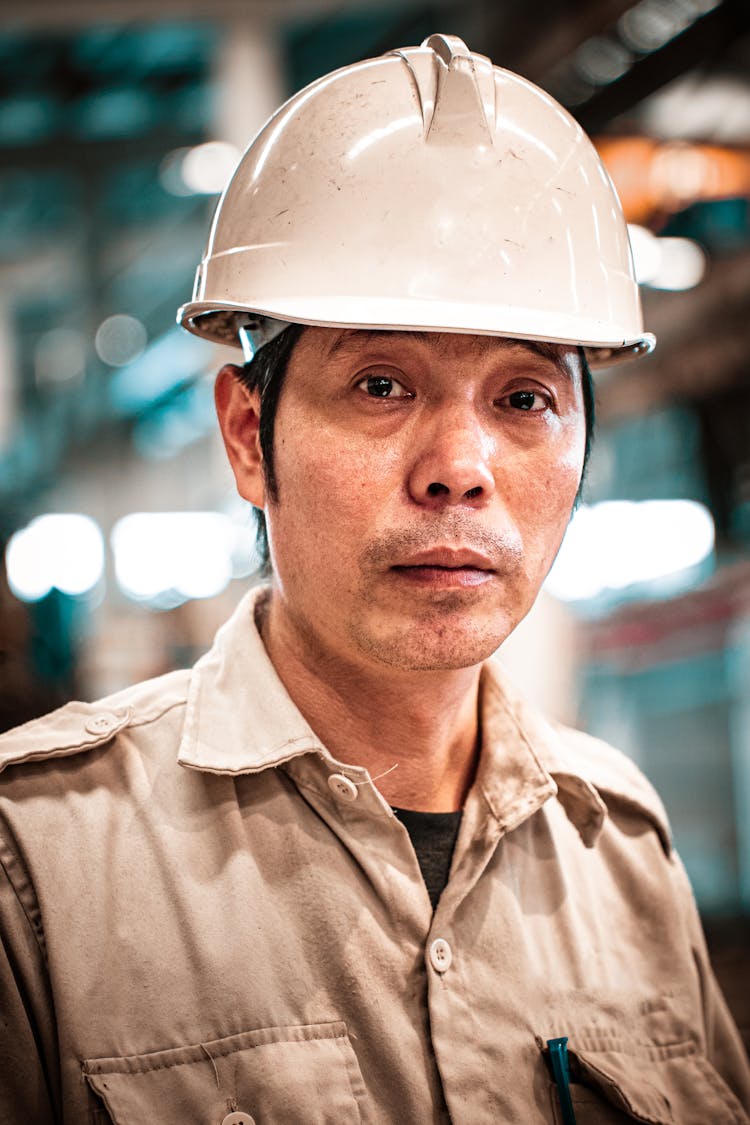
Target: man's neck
x,y
417,733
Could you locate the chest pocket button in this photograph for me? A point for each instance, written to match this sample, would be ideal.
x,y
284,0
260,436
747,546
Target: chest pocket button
x,y
238,1119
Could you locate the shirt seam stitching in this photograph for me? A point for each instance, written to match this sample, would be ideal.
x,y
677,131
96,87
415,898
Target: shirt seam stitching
x,y
34,920
220,1054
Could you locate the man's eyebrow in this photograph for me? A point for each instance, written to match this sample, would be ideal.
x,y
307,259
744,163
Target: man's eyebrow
x,y
350,337
547,351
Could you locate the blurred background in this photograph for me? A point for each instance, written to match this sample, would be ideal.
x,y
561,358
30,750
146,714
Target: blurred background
x,y
123,542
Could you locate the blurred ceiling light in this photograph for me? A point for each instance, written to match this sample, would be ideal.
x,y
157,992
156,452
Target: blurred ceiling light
x,y
666,263
61,551
60,356
206,168
120,339
651,24
699,105
183,554
203,170
643,29
682,264
621,543
654,179
601,60
682,173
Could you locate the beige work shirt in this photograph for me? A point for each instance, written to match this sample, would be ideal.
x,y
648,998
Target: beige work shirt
x,y
206,919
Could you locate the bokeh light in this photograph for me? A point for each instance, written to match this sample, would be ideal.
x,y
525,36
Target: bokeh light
x,y
180,554
120,339
666,263
62,551
204,169
60,356
620,543
207,167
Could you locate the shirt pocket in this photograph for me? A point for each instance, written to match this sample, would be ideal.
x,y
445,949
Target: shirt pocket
x,y
615,1082
306,1073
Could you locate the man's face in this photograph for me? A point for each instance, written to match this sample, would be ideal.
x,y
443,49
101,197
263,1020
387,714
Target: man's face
x,y
425,482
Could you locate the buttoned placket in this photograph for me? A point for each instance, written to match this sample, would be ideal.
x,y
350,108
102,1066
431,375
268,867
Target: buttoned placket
x,y
354,809
349,802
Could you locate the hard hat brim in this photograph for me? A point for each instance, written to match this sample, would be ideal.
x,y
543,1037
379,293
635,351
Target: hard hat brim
x,y
602,347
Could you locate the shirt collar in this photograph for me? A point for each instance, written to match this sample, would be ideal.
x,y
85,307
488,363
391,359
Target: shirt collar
x,y
516,735
241,719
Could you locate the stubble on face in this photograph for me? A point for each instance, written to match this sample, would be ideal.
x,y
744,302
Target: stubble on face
x,y
445,629
337,574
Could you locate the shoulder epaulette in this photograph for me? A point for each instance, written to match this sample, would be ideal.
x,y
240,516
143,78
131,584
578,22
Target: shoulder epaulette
x,y
77,726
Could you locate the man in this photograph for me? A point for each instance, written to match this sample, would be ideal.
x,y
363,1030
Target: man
x,y
341,871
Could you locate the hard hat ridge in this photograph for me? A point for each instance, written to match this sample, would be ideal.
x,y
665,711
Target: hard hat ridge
x,y
456,91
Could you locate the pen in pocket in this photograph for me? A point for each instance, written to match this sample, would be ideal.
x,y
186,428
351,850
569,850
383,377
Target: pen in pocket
x,y
558,1054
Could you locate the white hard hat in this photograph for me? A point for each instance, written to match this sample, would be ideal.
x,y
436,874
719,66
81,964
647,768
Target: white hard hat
x,y
425,189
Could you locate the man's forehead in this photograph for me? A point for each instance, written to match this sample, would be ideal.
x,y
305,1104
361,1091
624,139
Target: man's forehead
x,y
350,340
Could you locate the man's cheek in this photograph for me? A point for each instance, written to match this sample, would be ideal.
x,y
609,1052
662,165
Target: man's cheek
x,y
558,487
348,484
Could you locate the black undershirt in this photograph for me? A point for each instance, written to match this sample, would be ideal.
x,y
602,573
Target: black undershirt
x,y
433,836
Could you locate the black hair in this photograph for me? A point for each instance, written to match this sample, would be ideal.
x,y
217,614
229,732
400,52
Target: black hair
x,y
589,413
265,373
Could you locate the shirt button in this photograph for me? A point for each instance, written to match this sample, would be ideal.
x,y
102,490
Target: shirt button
x,y
343,788
238,1119
102,724
441,955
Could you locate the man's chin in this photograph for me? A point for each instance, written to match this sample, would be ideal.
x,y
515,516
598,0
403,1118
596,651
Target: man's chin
x,y
435,646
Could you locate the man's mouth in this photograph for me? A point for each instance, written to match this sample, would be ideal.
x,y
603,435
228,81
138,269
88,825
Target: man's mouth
x,y
445,567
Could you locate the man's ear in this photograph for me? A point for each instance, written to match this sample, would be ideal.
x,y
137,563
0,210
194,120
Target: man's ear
x,y
238,410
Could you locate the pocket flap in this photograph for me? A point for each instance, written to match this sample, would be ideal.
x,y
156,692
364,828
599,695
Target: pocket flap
x,y
293,1074
613,1076
658,1088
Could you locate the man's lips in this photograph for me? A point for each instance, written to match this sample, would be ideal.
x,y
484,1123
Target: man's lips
x,y
445,567
447,558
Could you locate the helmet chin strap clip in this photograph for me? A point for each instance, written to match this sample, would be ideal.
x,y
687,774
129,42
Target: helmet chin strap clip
x,y
255,333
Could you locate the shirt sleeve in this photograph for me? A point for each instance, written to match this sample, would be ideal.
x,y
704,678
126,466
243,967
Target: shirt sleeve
x,y
724,1046
29,1088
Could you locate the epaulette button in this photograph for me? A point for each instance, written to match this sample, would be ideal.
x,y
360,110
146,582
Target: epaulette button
x,y
102,724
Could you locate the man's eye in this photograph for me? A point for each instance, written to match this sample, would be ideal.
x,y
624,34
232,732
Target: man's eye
x,y
530,401
383,386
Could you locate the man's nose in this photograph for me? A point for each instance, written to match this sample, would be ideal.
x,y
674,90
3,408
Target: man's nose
x,y
452,463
